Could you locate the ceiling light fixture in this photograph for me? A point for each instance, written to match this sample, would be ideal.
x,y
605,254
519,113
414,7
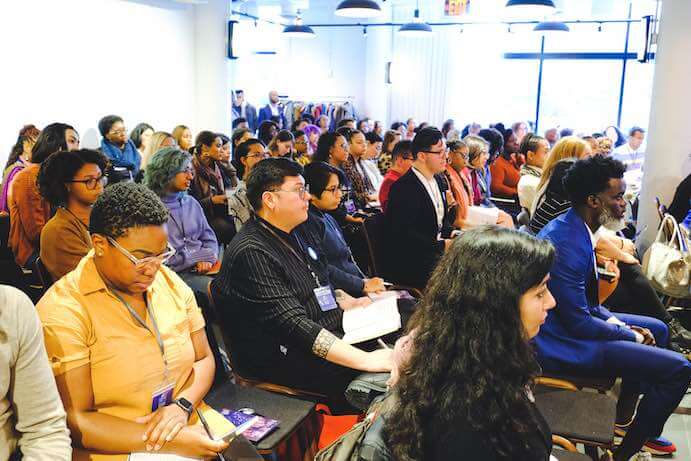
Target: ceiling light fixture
x,y
416,28
358,9
551,26
298,30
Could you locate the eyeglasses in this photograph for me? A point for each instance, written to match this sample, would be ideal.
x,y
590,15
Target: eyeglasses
x,y
333,189
259,155
141,264
91,183
302,191
435,152
120,131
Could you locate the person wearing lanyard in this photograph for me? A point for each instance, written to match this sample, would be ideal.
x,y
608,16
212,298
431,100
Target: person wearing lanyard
x,y
126,339
275,300
169,174
415,213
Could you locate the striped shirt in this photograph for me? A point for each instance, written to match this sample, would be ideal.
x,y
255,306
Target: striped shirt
x,y
551,207
265,298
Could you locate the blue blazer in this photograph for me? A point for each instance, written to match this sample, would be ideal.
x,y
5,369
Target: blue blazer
x,y
576,330
265,114
251,116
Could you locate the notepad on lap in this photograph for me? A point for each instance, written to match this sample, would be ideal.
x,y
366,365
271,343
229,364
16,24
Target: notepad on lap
x,y
480,216
378,319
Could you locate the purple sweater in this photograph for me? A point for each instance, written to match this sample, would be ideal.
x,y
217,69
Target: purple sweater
x,y
189,233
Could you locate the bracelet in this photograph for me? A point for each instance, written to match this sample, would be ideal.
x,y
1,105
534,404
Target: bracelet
x,y
622,244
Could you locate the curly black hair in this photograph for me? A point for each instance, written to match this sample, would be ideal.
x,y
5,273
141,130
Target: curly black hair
x,y
591,176
58,169
124,206
471,360
495,139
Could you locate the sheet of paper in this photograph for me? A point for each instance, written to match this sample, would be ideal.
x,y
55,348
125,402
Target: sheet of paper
x,y
479,216
378,319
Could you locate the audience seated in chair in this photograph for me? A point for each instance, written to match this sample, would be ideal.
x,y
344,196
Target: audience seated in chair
x,y
126,338
478,155
581,336
282,144
463,377
633,294
535,149
371,158
505,168
70,182
183,138
208,187
460,185
19,158
415,213
169,175
324,185
247,155
363,189
228,172
391,138
29,211
115,145
332,148
401,161
276,304
141,137
32,419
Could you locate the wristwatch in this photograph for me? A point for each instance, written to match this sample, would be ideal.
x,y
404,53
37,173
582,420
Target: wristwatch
x,y
186,405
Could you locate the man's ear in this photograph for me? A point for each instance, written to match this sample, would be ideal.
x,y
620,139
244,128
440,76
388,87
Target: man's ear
x,y
268,200
593,201
100,244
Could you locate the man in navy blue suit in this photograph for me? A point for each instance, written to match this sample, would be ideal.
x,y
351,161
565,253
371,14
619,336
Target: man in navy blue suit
x,y
582,337
272,111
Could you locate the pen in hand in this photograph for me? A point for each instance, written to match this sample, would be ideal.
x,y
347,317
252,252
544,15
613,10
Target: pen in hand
x,y
208,431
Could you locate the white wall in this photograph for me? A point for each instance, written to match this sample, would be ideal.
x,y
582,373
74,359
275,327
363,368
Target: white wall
x,y
333,64
77,60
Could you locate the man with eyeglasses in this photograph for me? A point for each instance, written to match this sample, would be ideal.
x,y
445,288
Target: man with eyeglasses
x,y
275,299
123,154
415,214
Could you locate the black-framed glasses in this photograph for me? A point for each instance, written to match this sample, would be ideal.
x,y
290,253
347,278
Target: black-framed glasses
x,y
435,152
302,191
90,183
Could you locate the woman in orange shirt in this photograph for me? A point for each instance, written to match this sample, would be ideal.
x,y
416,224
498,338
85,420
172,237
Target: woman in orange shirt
x,y
506,168
126,339
29,212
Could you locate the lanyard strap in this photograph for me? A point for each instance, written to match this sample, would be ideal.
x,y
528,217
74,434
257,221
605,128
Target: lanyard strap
x,y
156,333
287,245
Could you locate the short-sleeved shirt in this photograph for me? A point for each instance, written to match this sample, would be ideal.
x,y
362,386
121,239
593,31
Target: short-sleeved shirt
x,y
85,324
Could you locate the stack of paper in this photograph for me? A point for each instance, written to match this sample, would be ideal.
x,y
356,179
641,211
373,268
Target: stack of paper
x,y
370,322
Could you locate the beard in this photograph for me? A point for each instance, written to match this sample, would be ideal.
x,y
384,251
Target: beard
x,y
611,222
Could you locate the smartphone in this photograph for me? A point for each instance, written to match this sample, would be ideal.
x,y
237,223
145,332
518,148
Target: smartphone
x,y
605,274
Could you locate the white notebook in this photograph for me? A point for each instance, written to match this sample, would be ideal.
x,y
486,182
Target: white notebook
x,y
378,319
479,216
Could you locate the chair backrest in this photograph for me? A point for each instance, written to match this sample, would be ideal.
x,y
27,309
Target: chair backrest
x,y
43,275
373,230
5,252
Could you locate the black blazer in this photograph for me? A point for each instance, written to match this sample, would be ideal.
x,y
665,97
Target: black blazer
x,y
411,247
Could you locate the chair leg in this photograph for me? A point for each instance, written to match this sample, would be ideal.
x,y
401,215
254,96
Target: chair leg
x,y
592,452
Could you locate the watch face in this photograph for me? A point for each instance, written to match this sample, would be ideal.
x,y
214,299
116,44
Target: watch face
x,y
185,404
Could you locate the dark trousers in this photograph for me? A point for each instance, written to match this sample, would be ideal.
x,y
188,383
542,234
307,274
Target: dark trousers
x,y
660,375
635,295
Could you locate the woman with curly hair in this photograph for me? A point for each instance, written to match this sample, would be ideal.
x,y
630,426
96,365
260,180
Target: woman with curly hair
x,y
71,182
466,386
126,340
